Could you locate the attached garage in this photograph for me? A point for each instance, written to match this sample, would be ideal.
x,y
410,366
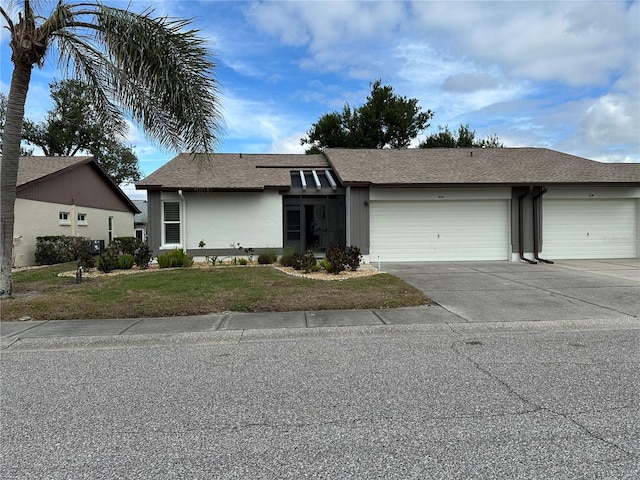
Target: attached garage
x,y
589,228
439,230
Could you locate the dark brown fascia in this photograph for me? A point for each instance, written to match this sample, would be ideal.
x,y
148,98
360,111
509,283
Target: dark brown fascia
x,y
162,188
483,185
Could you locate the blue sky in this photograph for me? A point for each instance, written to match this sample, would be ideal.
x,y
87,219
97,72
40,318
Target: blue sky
x,y
562,75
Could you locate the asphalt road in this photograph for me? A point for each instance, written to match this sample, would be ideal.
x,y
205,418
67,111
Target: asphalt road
x,y
555,404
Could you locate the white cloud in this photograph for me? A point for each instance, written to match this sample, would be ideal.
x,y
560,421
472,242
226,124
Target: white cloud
x,y
578,43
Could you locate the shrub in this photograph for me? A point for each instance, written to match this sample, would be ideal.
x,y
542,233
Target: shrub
x,y
142,255
125,261
54,249
243,261
125,245
305,261
51,250
82,250
175,258
107,261
336,259
324,263
287,260
264,259
267,258
353,258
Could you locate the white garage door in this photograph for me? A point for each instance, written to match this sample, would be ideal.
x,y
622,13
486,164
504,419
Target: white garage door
x,y
592,228
439,230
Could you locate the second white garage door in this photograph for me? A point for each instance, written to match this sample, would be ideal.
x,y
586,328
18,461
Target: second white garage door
x,y
439,230
595,228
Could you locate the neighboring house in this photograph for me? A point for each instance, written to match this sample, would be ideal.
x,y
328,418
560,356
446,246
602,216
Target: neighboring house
x,y
140,220
399,205
70,196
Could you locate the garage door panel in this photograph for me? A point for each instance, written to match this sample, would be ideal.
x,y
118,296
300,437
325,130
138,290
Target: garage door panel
x,y
593,228
443,230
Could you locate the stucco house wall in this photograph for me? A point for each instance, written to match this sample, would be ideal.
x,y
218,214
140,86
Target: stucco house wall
x,y
76,186
37,219
224,220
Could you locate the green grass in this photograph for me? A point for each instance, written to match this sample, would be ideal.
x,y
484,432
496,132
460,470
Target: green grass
x,y
41,294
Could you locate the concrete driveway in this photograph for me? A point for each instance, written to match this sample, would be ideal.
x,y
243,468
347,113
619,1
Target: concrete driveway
x,y
513,291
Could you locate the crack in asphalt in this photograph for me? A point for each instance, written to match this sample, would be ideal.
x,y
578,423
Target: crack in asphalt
x,y
512,391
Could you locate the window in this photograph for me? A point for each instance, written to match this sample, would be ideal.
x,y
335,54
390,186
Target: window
x,y
110,229
171,223
82,219
63,217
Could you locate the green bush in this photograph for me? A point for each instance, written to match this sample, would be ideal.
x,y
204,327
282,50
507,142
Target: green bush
x,y
243,261
125,245
287,260
142,255
125,261
336,259
107,261
353,258
267,258
305,261
175,258
51,250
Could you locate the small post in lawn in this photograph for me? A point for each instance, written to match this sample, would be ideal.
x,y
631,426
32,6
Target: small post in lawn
x,y
79,272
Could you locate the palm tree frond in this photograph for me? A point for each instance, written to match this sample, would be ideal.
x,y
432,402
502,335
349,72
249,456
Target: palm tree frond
x,y
164,76
89,65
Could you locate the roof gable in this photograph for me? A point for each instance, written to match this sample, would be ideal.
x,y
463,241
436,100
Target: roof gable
x,y
68,180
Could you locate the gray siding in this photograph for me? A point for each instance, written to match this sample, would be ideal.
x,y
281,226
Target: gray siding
x,y
154,225
83,186
358,218
527,219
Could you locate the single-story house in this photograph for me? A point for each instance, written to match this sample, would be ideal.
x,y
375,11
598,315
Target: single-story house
x,y
70,196
399,205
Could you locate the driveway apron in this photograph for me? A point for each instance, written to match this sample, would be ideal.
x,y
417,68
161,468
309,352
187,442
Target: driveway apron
x,y
514,291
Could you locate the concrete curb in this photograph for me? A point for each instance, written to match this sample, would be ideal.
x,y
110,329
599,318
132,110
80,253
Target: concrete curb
x,y
234,337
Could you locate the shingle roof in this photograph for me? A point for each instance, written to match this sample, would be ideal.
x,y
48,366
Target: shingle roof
x,y
224,171
474,166
441,166
35,168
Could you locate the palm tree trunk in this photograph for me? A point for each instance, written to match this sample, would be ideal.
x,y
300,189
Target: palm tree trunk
x,y
9,169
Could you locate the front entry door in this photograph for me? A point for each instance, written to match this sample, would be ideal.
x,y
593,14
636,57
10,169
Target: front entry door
x,y
314,224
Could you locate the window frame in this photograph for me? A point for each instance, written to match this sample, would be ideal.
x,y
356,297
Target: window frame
x,y
82,219
64,218
165,244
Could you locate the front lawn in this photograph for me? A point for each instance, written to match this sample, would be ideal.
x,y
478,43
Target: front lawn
x,y
42,295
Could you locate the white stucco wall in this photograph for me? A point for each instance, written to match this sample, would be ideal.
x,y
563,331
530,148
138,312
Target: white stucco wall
x,y
38,219
252,219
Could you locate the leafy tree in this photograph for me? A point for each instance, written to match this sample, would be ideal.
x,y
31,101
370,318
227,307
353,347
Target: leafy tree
x,y
75,126
155,68
465,138
386,119
3,114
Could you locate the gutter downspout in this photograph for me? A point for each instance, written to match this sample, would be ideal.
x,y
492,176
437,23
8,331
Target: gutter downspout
x,y
536,215
183,208
521,226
